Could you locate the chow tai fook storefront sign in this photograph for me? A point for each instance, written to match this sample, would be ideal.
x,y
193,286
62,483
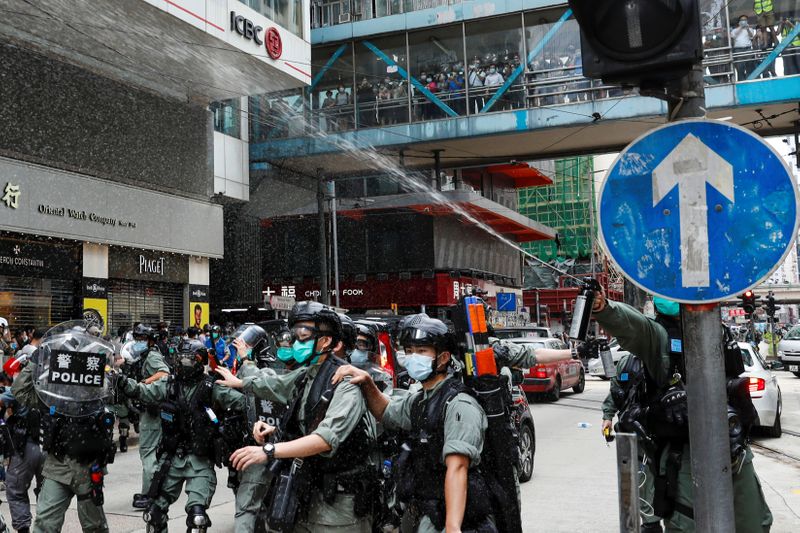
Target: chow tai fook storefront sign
x,y
440,290
48,202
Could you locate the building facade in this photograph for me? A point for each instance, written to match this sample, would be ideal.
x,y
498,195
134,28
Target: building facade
x,y
112,193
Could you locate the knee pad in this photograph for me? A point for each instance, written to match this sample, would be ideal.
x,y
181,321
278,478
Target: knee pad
x,y
123,429
197,521
156,519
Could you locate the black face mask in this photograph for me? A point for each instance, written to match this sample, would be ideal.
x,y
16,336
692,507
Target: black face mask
x,y
188,369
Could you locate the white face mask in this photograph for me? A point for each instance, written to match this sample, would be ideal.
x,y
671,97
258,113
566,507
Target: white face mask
x,y
743,23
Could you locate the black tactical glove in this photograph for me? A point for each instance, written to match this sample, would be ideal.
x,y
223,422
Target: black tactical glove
x,y
675,407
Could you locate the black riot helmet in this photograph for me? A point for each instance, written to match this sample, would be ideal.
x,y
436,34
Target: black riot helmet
x,y
348,332
142,332
256,338
370,333
422,330
190,360
325,319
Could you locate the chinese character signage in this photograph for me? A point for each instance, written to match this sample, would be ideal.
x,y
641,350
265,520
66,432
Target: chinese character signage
x,y
11,196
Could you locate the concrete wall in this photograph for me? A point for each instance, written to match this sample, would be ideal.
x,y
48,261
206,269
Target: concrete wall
x,y
59,115
460,246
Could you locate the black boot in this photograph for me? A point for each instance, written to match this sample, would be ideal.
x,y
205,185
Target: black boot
x,y
123,444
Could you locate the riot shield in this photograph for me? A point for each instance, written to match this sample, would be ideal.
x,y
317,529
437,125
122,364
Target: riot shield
x,y
71,369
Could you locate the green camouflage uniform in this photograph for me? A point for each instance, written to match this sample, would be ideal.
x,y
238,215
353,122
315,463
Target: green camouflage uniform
x,y
465,424
647,476
63,479
346,409
253,481
150,424
650,342
197,472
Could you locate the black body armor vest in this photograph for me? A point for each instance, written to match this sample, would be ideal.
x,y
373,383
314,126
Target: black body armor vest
x,y
188,423
423,473
86,439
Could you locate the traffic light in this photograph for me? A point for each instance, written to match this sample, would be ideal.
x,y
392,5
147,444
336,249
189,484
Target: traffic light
x,y
638,42
771,307
749,302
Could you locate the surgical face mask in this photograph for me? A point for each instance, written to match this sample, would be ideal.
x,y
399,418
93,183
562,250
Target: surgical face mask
x,y
743,23
359,357
419,367
214,336
303,351
492,71
667,307
401,357
139,346
285,353
249,353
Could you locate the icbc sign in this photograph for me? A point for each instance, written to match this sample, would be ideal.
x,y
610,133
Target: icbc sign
x,y
273,43
248,29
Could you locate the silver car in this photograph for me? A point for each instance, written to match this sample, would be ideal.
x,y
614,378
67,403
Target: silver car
x,y
789,351
594,366
764,390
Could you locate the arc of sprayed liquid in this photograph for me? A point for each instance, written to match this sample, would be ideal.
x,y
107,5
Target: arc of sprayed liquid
x,y
367,152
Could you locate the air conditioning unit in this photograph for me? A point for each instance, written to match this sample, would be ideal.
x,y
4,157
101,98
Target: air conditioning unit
x,y
344,17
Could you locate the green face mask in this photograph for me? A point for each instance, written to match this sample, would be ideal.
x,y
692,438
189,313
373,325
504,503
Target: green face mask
x,y
303,352
285,353
667,307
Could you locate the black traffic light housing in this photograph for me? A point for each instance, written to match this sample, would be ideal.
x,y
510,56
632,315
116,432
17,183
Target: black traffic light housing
x,y
749,302
771,307
645,43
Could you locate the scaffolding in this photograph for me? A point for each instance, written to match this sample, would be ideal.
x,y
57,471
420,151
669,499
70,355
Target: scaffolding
x,y
566,206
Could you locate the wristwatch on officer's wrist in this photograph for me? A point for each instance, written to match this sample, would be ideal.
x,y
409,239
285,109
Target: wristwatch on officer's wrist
x,y
269,449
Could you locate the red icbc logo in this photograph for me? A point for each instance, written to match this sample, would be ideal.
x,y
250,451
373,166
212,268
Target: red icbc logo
x,y
273,43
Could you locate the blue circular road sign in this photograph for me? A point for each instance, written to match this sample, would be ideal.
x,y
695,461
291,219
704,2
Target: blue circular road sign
x,y
698,211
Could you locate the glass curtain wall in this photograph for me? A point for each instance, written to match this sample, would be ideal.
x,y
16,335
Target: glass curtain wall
x,y
495,51
381,87
437,63
331,91
287,13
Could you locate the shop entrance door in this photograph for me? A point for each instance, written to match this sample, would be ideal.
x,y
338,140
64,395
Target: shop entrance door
x,y
144,301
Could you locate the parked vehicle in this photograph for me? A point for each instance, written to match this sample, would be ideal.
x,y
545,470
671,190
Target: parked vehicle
x,y
764,390
537,332
552,378
527,434
789,351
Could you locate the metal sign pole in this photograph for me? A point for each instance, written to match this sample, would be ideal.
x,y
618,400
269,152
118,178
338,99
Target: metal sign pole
x,y
323,241
628,482
705,381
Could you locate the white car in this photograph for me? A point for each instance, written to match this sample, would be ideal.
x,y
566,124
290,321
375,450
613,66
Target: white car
x,y
764,390
594,366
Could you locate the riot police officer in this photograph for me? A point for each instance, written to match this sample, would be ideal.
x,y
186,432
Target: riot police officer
x,y
630,373
661,412
147,364
439,474
326,434
189,444
71,388
26,458
252,346
366,355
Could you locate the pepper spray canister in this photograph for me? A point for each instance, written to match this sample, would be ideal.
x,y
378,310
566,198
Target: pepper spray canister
x,y
582,314
609,368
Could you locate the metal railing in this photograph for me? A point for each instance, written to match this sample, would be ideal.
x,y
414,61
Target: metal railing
x,y
533,89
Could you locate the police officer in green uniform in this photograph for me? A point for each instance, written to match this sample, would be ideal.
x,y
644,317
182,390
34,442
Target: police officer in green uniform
x,y
650,340
447,427
78,435
189,443
147,365
327,427
252,347
629,372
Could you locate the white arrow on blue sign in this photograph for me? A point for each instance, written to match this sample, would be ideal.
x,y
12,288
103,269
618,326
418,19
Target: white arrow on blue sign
x,y
698,211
